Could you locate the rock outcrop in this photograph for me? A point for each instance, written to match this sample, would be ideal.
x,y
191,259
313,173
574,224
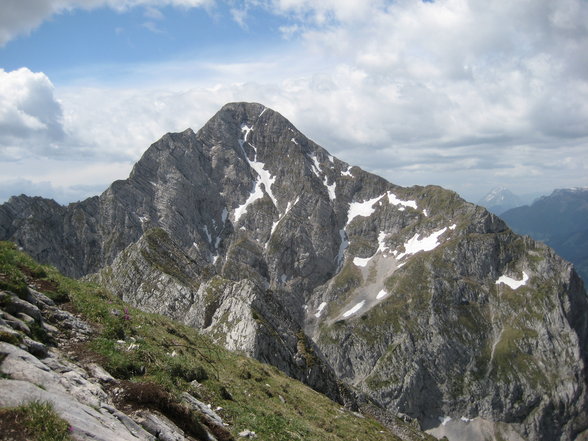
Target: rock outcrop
x,y
250,231
36,366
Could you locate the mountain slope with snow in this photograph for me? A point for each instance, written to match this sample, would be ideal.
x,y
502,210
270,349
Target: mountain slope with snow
x,y
428,305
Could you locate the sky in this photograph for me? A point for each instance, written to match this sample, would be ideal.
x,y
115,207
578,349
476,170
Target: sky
x,y
466,94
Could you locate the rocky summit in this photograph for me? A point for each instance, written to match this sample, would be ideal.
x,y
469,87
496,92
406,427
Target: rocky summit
x,y
410,298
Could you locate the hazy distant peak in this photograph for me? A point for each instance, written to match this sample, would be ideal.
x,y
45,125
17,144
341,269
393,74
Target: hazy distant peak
x,y
500,199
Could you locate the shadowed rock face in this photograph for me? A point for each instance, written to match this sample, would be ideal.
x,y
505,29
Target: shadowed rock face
x,y
256,235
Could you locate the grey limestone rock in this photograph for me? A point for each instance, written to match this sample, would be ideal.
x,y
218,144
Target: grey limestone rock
x,y
159,426
253,233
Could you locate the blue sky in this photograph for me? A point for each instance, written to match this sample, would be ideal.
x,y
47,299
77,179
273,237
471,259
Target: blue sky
x,y
102,44
460,93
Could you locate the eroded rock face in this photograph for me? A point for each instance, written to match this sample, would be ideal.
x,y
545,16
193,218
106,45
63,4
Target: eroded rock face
x,y
255,234
155,275
448,340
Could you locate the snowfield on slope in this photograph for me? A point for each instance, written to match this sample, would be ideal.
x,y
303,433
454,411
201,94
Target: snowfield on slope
x,y
513,283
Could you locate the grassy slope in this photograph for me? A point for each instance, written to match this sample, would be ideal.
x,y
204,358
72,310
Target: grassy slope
x,y
140,347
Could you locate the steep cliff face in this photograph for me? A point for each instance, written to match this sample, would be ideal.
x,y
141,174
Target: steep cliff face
x,y
255,234
483,328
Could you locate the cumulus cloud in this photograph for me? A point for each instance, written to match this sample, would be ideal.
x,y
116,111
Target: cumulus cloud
x,y
31,117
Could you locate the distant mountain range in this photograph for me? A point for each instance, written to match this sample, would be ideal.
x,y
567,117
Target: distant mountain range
x,y
422,303
499,200
560,220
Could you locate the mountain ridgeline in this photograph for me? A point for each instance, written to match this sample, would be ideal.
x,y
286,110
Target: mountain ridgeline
x,y
410,298
560,220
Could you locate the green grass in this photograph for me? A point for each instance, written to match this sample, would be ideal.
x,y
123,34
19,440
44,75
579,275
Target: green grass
x,y
35,421
348,278
16,268
148,349
510,360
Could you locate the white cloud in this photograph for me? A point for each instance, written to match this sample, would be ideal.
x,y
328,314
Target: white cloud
x,y
453,87
153,13
322,12
30,115
467,94
21,16
63,195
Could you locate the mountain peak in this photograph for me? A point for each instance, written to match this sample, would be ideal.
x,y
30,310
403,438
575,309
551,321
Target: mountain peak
x,y
500,199
256,235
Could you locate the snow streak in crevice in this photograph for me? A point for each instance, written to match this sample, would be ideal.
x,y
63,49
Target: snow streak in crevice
x,y
263,177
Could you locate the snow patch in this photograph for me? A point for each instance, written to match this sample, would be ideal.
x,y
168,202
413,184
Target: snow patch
x,y
444,420
290,205
319,310
426,212
288,208
283,278
347,172
316,166
513,283
263,177
381,245
453,227
466,420
414,244
395,201
330,188
381,294
256,193
225,215
361,209
245,129
360,261
263,111
353,310
294,141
